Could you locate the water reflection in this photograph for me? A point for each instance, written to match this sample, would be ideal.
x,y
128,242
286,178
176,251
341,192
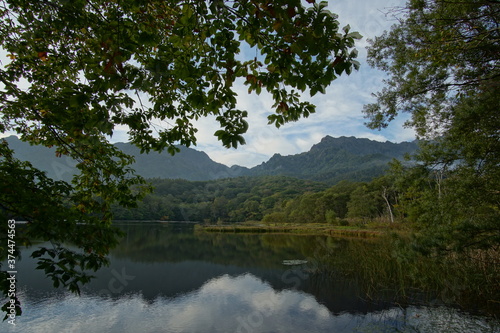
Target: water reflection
x,y
239,304
167,278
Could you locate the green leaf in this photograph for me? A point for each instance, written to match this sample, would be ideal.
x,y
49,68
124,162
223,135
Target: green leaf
x,y
93,67
355,35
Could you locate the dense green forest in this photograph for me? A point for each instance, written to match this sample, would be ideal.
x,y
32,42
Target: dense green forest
x,y
265,198
224,200
414,196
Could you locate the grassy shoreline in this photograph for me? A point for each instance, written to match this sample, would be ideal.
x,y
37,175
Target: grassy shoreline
x,y
299,229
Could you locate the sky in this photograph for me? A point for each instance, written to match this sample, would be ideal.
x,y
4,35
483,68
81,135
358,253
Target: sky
x,y
338,111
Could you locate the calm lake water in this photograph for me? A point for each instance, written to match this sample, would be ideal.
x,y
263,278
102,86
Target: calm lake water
x,y
165,277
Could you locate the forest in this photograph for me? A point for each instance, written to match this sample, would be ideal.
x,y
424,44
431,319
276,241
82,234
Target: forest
x,y
409,196
77,71
226,200
272,199
264,198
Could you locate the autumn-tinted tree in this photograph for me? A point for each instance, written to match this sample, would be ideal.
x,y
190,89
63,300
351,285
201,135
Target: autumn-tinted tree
x,y
77,70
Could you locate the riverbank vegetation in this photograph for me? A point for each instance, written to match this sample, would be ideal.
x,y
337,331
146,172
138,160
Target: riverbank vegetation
x,y
386,268
292,228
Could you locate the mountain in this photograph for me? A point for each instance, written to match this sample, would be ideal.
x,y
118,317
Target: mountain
x,y
336,159
188,164
331,160
43,158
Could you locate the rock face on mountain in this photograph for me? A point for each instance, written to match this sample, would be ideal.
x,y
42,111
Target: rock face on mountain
x,y
331,160
335,159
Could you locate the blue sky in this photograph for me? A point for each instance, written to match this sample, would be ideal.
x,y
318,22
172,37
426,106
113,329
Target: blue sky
x,y
338,112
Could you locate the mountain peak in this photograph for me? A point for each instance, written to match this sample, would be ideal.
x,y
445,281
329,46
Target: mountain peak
x,y
335,159
330,160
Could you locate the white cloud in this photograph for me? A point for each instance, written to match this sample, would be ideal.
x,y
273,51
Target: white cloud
x,y
339,111
224,304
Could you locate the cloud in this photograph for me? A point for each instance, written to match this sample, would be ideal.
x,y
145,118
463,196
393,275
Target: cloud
x,y
240,304
224,304
339,111
368,17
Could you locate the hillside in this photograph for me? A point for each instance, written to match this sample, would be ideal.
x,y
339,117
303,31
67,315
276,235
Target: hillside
x,y
330,161
188,164
336,159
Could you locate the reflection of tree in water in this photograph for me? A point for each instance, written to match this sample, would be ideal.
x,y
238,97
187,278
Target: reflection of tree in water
x,y
388,269
166,243
376,270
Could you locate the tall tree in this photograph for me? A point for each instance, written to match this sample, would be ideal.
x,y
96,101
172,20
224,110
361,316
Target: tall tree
x,y
76,70
440,52
443,61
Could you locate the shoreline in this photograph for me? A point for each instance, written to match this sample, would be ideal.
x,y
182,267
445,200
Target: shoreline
x,y
299,229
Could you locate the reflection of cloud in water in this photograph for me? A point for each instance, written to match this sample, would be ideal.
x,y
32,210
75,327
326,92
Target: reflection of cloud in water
x,y
225,304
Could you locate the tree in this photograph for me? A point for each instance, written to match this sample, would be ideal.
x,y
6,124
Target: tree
x,y
78,69
364,203
443,64
340,195
440,52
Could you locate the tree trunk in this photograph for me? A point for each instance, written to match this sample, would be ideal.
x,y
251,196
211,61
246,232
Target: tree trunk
x,y
384,195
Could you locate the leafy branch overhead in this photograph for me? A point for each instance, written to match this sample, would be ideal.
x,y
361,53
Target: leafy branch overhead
x,y
440,53
85,62
76,71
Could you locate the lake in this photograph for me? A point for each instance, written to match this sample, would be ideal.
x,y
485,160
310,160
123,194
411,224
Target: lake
x,y
168,277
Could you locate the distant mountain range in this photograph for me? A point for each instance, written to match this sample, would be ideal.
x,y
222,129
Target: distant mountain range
x,y
331,160
335,159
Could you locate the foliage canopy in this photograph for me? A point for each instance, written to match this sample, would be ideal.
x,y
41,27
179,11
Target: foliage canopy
x,y
440,53
444,69
77,70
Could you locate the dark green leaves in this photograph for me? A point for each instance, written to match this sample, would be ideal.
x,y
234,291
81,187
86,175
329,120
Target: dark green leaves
x,y
66,267
234,126
78,70
443,65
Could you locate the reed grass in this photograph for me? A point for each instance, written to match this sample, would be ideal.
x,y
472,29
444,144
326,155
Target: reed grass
x,y
390,265
304,229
